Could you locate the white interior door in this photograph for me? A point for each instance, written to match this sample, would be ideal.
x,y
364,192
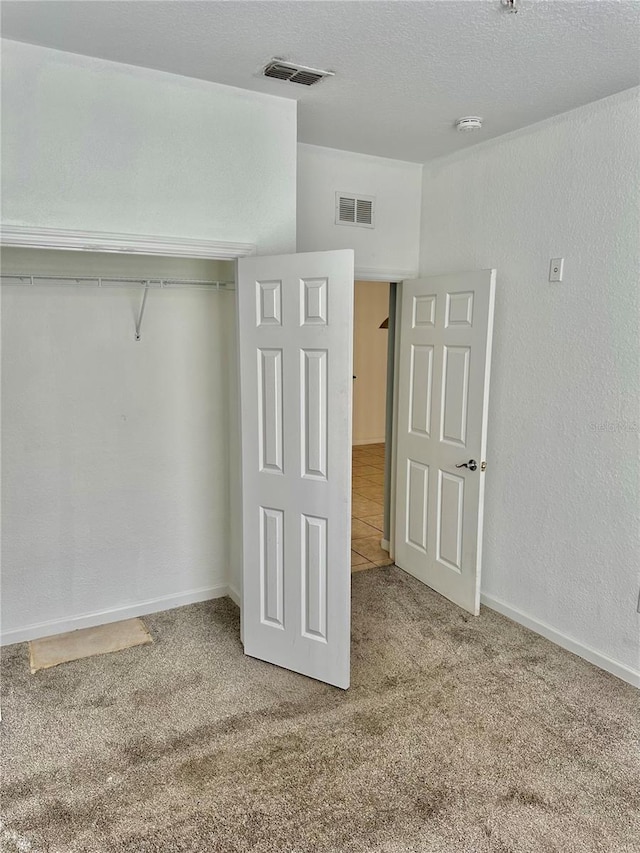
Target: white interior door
x,y
295,315
446,325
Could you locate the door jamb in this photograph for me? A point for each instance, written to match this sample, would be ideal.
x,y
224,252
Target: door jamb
x,y
389,438
394,420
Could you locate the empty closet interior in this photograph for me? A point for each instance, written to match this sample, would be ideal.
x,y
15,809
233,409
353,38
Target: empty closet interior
x,y
116,465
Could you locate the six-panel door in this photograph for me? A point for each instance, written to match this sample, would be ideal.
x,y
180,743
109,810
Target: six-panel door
x,y
295,327
445,348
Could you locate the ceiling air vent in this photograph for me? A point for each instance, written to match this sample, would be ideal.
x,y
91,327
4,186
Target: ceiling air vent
x,y
294,73
354,210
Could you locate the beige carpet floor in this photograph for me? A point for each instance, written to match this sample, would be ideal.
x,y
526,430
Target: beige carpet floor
x,y
458,734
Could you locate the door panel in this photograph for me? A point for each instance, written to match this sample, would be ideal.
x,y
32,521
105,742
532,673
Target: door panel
x,y
295,316
420,392
313,371
270,413
445,351
417,504
455,375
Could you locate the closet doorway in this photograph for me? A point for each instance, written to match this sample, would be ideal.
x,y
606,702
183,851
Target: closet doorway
x,y
371,393
119,411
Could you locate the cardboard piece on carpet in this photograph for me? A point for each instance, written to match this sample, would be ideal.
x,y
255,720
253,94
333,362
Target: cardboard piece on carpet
x,y
87,642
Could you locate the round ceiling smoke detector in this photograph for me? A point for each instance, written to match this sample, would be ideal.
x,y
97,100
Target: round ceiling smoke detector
x,y
469,123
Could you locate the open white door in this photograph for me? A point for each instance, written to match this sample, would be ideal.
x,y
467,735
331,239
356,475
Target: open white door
x,y
295,331
446,325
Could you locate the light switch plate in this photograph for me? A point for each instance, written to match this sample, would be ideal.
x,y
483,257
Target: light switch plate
x,y
556,268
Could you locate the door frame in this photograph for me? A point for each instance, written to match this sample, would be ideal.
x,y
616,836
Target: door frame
x,y
78,240
485,407
393,402
393,377
395,287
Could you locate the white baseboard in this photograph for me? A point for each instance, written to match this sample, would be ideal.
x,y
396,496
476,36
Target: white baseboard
x,y
384,544
620,670
360,441
104,617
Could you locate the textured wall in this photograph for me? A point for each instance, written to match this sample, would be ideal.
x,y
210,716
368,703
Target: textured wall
x,y
106,147
115,464
389,249
562,534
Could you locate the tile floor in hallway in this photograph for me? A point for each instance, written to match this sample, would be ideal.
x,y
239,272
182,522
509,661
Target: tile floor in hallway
x,y
367,507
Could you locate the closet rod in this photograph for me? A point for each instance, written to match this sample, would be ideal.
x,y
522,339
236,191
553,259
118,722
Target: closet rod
x,y
29,280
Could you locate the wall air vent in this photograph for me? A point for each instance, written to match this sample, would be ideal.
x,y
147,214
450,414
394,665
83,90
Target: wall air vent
x,y
354,210
290,73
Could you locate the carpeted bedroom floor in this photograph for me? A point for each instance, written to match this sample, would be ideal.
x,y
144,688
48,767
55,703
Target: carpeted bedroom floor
x,y
458,734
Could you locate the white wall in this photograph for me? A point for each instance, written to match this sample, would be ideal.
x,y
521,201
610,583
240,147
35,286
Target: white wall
x,y
371,308
562,535
100,146
390,250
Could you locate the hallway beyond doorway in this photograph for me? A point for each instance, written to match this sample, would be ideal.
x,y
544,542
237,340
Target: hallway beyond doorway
x,y
367,508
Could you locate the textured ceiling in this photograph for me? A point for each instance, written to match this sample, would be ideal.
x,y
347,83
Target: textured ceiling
x,y
405,71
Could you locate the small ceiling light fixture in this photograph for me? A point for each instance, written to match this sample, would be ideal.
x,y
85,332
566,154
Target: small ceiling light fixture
x,y
468,123
509,5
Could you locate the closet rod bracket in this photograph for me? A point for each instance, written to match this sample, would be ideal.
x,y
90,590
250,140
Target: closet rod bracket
x,y
142,307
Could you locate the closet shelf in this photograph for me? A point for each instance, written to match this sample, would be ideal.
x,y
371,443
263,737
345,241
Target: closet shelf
x,y
28,280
